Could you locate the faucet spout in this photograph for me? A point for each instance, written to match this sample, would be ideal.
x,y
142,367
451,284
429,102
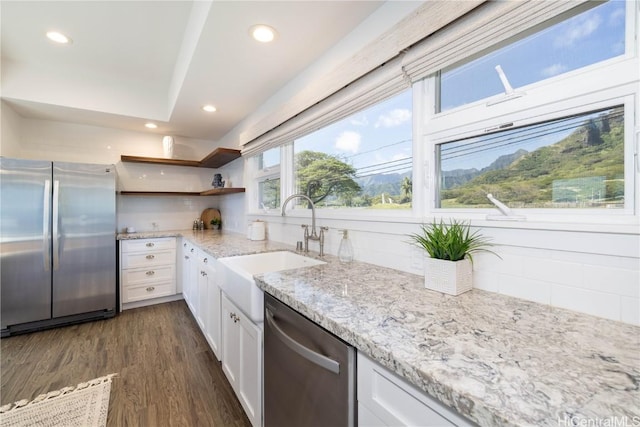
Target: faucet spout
x,y
313,211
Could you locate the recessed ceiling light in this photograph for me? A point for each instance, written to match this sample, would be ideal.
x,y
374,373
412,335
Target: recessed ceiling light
x,y
59,37
209,108
263,33
150,125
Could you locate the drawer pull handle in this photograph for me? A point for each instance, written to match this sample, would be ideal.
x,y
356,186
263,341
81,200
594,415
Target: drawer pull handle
x,y
150,273
151,256
151,289
192,250
184,244
186,257
150,245
204,260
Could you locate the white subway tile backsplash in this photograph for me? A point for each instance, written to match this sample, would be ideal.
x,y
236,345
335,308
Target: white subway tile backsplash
x,y
612,280
525,288
630,310
508,263
547,270
485,280
600,304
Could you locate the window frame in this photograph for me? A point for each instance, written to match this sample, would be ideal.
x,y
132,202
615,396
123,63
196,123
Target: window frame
x,y
542,101
287,182
522,114
557,96
259,176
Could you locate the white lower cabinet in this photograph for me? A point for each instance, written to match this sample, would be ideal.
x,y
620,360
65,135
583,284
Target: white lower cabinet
x,y
242,359
147,271
188,269
208,302
385,399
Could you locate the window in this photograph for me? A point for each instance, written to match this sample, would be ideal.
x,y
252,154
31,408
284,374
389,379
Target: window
x,y
569,162
561,146
362,161
590,37
266,168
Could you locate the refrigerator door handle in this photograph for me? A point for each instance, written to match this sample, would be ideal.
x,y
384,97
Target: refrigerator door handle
x,y
56,237
312,356
46,226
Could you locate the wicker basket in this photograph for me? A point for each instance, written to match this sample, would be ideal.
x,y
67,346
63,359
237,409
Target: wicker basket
x,y
450,277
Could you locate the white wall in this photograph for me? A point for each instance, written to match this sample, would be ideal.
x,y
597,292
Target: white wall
x,y
58,141
10,124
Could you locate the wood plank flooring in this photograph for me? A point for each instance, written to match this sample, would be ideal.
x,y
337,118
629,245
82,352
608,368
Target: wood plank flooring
x,y
167,374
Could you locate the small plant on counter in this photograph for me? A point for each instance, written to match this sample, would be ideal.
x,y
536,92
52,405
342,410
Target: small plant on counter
x,y
450,247
452,242
215,223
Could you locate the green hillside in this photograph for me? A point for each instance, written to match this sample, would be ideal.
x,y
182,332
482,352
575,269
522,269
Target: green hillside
x,y
585,169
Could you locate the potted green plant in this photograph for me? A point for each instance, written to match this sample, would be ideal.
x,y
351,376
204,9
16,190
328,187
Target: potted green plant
x,y
450,249
215,223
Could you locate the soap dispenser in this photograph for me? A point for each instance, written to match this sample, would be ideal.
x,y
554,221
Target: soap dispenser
x,y
345,251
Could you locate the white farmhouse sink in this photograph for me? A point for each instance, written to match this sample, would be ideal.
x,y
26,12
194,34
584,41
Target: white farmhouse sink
x,y
236,277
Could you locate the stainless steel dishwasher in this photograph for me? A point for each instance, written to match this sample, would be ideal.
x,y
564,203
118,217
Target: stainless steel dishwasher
x,y
309,374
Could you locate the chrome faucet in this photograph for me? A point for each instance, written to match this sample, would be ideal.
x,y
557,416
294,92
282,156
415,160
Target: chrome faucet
x,y
313,235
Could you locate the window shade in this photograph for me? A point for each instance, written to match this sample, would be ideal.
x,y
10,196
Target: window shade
x,y
381,84
487,26
407,57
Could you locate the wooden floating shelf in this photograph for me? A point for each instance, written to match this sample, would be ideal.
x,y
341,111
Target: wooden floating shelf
x,y
221,191
217,158
158,161
212,192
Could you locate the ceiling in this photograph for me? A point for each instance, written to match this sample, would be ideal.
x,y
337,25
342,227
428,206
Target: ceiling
x,y
136,61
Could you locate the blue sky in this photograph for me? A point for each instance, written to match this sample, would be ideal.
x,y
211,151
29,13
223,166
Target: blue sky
x,y
378,134
587,38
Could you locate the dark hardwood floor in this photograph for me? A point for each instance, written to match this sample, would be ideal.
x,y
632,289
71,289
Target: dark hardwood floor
x,y
167,374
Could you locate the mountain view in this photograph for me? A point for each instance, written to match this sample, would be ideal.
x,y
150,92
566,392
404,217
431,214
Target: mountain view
x,y
582,170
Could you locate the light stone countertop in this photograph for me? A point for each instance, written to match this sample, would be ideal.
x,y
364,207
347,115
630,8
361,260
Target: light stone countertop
x,y
497,360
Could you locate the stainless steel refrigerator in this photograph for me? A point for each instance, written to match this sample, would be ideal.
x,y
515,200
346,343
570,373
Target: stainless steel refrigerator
x,y
57,243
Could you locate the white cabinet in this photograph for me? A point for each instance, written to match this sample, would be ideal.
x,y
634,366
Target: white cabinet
x,y
189,264
242,359
385,399
147,271
208,302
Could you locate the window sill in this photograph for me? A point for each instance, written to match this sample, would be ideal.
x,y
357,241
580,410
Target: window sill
x,y
629,226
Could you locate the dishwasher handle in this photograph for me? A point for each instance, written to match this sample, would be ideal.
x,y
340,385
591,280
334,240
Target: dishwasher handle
x,y
310,355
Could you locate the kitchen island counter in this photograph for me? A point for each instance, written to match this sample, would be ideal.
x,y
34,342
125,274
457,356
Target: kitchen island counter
x,y
495,359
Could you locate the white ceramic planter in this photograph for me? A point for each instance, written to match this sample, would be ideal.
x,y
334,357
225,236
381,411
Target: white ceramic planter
x,y
450,277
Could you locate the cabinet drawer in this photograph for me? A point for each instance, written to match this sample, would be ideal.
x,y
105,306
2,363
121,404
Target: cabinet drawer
x,y
149,291
395,402
152,258
148,244
134,276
